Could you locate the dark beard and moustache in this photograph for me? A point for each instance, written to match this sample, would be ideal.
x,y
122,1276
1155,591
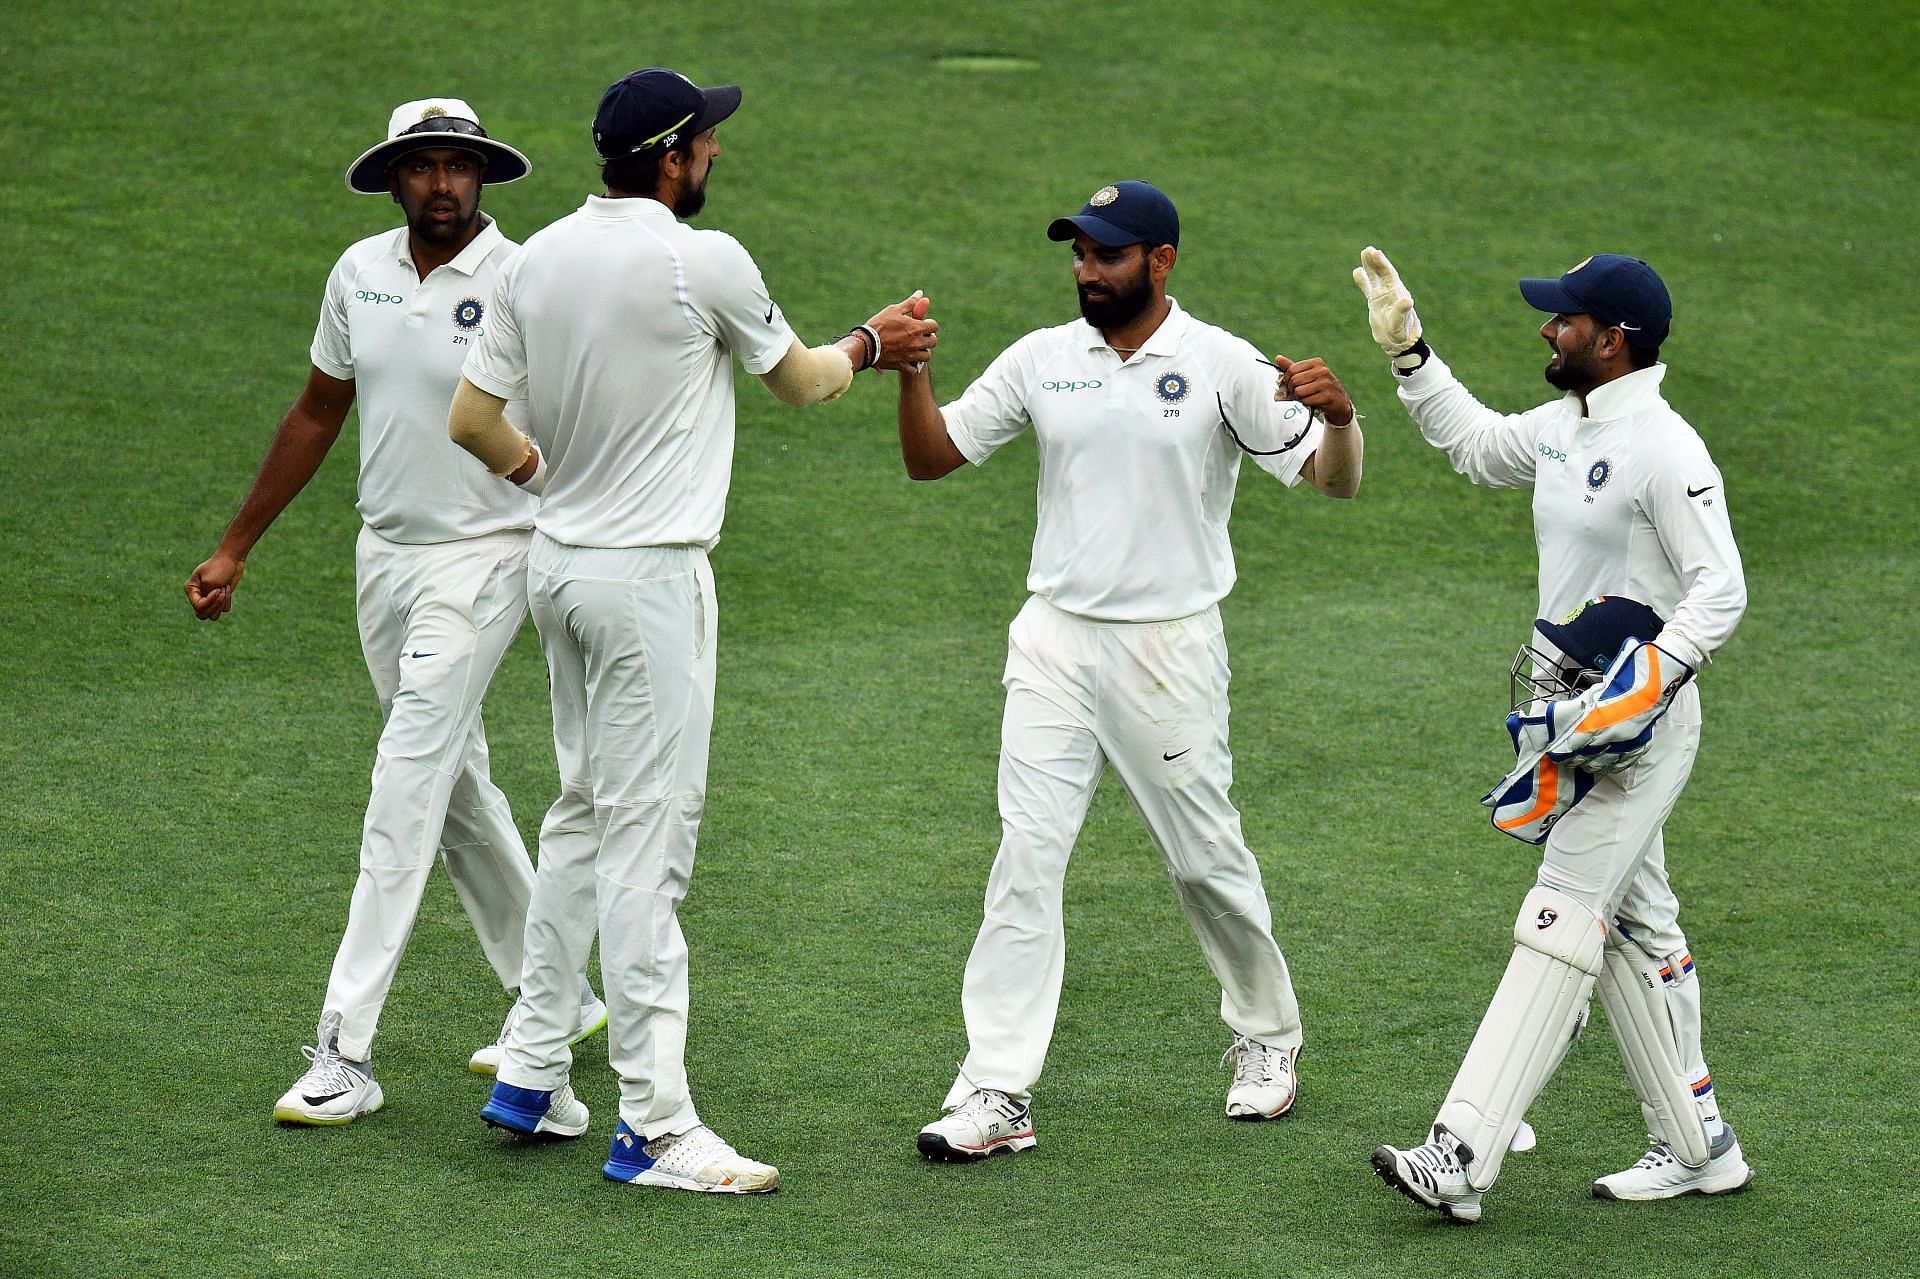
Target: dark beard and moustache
x,y
430,232
1578,371
1119,308
691,201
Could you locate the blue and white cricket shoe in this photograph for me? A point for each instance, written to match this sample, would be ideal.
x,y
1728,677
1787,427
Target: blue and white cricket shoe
x,y
535,1113
697,1160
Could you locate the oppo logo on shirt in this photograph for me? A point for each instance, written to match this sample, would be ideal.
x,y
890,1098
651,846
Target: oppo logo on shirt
x,y
1071,386
1552,454
377,298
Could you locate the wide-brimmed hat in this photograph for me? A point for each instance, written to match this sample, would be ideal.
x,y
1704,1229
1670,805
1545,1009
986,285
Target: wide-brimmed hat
x,y
434,122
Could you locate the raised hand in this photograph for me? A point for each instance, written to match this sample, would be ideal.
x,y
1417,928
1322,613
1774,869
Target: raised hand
x,y
1396,325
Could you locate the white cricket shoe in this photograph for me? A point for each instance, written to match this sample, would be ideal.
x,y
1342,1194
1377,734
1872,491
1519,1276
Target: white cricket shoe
x,y
593,1019
334,1090
1264,1080
1432,1173
1661,1175
698,1160
986,1123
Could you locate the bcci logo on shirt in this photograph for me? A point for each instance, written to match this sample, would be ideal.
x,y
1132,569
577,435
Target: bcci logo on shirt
x,y
1598,474
468,313
1172,387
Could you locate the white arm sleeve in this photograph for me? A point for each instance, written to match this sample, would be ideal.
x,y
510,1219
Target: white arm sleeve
x,y
1494,449
1686,503
809,375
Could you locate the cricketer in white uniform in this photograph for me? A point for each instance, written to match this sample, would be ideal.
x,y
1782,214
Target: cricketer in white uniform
x,y
1141,414
1627,503
440,573
619,324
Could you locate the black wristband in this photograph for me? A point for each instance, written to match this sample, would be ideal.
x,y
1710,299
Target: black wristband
x,y
1413,359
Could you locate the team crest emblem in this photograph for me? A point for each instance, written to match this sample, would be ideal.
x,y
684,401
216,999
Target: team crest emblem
x,y
432,112
1172,387
468,313
1598,474
1568,619
1104,196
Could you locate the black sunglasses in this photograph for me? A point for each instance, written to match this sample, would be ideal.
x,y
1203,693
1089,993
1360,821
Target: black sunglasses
x,y
446,124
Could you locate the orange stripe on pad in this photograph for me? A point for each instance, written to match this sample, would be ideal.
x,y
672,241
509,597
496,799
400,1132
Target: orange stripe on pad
x,y
1548,787
1607,715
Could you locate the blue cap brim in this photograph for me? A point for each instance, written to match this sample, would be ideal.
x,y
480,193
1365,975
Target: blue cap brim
x,y
1101,231
721,101
1551,296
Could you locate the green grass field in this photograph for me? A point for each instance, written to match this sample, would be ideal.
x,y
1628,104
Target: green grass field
x,y
182,802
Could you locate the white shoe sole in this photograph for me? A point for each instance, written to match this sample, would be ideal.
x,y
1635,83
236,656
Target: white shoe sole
x,y
935,1146
1249,1114
1723,1184
753,1185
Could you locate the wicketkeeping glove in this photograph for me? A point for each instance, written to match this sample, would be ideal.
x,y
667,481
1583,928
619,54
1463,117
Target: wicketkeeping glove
x,y
1536,794
1611,724
1396,325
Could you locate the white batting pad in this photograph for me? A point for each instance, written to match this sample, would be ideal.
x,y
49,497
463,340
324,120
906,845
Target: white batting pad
x,y
1534,1015
1634,989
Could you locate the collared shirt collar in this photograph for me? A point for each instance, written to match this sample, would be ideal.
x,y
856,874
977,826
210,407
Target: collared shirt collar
x,y
1164,340
627,206
468,260
1626,395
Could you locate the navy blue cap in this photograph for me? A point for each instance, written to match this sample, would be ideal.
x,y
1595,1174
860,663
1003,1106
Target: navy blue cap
x,y
655,109
1613,289
1594,633
1125,213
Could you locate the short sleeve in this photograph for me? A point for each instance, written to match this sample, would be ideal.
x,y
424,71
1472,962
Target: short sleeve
x,y
332,351
993,410
1279,435
497,363
729,293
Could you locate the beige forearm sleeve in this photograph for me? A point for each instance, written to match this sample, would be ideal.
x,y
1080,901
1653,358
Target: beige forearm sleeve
x,y
477,422
809,375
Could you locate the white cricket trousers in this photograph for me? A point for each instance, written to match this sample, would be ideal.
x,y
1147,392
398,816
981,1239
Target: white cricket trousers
x,y
435,621
1609,852
629,637
1151,699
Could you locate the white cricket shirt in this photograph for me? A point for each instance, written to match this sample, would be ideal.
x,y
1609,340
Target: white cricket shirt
x,y
1626,499
619,325
1138,459
402,340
